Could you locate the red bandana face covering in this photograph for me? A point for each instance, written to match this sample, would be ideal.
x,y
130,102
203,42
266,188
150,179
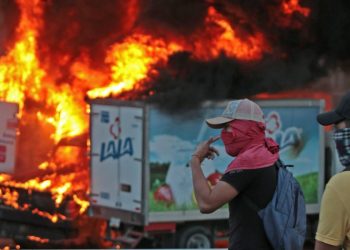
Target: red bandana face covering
x,y
233,144
246,141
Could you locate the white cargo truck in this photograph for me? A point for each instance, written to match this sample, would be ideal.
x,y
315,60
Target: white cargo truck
x,y
141,181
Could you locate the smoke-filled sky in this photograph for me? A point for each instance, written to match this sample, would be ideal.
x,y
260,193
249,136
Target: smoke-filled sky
x,y
302,48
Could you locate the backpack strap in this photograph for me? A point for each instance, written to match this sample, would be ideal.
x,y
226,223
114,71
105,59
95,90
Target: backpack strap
x,y
280,164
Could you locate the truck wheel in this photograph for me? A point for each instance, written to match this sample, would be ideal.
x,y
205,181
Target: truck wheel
x,y
195,237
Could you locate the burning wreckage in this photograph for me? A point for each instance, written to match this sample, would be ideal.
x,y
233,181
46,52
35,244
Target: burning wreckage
x,y
57,74
30,213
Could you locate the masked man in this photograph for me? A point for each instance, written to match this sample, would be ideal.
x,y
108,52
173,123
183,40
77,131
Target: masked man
x,y
251,173
333,230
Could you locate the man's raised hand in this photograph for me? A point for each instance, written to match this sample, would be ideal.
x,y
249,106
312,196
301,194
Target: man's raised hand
x,y
205,150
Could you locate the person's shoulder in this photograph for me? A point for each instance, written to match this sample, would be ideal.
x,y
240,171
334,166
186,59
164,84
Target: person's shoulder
x,y
340,179
248,170
344,175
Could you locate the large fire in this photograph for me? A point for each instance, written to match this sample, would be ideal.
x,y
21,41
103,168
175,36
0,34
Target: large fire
x,y
128,65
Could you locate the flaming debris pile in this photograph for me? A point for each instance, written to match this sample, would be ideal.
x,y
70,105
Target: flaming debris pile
x,y
54,55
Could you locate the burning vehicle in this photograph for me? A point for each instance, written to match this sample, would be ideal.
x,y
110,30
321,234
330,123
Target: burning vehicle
x,y
60,58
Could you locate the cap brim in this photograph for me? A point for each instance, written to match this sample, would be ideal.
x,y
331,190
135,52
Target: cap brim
x,y
329,118
218,122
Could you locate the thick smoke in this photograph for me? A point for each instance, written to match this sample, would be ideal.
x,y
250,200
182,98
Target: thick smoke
x,y
8,22
172,17
225,78
331,23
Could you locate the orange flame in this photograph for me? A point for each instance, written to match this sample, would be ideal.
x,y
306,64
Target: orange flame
x,y
131,62
9,198
291,6
22,77
70,117
226,40
20,74
82,203
37,239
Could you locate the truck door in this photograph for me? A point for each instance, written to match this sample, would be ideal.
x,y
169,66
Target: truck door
x,y
117,158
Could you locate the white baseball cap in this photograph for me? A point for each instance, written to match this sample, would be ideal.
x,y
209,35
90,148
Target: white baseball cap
x,y
243,109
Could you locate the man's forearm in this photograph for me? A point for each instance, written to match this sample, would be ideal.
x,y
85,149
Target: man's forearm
x,y
200,183
323,246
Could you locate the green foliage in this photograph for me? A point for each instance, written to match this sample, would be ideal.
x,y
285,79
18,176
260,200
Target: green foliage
x,y
158,173
161,206
309,185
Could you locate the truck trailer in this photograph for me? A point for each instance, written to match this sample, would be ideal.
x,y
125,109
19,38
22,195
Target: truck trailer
x,y
140,179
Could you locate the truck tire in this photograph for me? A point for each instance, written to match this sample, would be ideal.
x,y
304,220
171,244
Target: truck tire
x,y
195,237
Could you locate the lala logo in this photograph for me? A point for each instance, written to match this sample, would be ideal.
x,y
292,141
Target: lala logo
x,y
116,147
291,137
